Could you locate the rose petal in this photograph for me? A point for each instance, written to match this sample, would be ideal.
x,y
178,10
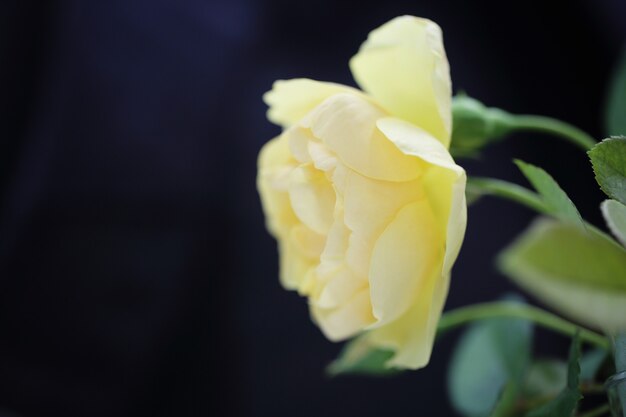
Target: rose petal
x,y
444,186
403,65
307,242
312,198
412,335
347,320
340,289
346,123
404,257
294,265
275,165
322,157
370,205
336,240
290,100
299,143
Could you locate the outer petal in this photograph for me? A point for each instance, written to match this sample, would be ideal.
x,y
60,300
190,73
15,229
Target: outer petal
x,y
412,334
403,260
299,247
444,182
275,165
403,65
291,100
294,265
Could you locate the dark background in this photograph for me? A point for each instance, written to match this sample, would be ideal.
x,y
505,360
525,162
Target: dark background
x,y
136,277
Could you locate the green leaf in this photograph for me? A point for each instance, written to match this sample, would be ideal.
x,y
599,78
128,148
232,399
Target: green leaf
x,y
555,199
615,216
615,117
546,378
478,187
491,355
609,164
566,402
591,362
580,273
359,357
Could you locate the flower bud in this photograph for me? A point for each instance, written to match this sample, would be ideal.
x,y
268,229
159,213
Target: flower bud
x,y
475,125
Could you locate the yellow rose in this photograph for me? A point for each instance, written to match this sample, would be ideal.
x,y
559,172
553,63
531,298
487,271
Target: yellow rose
x,y
362,195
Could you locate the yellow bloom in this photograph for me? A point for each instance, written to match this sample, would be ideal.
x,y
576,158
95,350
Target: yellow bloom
x,y
362,195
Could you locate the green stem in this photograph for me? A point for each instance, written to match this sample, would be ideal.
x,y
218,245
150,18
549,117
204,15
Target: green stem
x,y
507,190
554,127
597,412
513,309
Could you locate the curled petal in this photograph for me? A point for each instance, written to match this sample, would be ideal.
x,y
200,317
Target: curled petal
x,y
403,65
444,182
290,100
411,334
346,124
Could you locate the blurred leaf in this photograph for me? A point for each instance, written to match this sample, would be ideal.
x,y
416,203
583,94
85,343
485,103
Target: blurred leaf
x,y
555,199
615,216
609,164
615,117
580,273
358,357
490,354
566,402
507,401
591,362
545,378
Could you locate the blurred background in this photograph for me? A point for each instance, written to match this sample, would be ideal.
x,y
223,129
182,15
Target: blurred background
x,y
136,276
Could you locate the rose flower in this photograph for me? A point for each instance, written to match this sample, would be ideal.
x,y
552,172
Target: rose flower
x,y
362,195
